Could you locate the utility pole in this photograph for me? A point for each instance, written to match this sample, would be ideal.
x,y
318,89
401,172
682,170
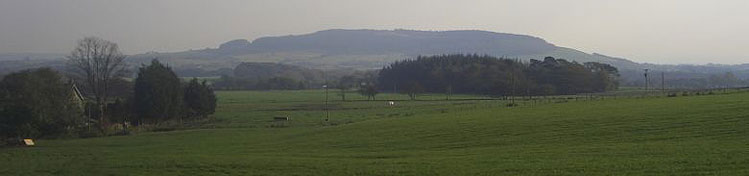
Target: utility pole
x,y
646,79
327,112
512,98
325,86
449,91
663,82
395,87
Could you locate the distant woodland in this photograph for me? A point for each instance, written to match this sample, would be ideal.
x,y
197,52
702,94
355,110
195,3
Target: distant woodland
x,y
333,54
465,74
488,75
270,76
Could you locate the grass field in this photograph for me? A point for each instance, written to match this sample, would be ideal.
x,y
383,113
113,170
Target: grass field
x,y
692,135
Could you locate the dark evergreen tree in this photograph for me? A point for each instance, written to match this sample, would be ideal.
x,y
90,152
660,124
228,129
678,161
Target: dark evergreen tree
x,y
158,94
199,99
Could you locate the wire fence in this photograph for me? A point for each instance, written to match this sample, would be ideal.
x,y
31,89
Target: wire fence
x,y
529,100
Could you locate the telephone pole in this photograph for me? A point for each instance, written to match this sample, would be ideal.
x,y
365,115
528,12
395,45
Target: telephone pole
x,y
512,73
327,112
325,86
646,79
395,87
663,82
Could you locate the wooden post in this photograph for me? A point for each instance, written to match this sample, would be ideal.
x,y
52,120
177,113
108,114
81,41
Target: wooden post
x,y
663,83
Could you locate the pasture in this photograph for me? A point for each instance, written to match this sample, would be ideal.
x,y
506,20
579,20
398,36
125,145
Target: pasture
x,y
685,135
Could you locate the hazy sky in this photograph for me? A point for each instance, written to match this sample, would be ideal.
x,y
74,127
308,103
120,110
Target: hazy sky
x,y
655,31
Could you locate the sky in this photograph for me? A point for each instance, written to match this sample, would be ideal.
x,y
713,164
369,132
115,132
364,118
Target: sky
x,y
652,31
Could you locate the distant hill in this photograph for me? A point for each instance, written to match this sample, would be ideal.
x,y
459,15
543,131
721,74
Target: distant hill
x,y
30,56
377,42
372,49
10,62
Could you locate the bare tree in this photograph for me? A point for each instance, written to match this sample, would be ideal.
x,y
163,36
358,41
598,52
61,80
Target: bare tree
x,y
99,62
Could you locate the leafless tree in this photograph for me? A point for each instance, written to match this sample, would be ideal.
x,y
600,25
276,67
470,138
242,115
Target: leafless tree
x,y
99,62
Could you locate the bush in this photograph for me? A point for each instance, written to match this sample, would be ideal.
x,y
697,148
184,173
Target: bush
x,y
37,103
200,101
158,94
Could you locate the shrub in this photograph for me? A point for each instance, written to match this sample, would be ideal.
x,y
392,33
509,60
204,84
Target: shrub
x,y
158,93
37,103
200,101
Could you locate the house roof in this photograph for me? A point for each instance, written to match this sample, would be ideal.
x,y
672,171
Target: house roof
x,y
77,92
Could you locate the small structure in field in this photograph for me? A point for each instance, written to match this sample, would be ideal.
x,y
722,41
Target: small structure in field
x,y
280,121
391,103
281,118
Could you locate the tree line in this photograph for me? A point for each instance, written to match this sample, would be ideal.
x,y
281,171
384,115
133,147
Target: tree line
x,y
94,96
476,74
270,76
725,80
226,82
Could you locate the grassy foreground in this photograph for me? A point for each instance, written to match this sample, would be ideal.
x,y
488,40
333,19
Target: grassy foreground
x,y
694,135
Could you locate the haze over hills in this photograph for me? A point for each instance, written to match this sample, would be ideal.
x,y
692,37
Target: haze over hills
x,y
364,42
368,49
373,49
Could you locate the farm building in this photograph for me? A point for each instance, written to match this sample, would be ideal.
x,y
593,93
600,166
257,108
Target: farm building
x,y
77,97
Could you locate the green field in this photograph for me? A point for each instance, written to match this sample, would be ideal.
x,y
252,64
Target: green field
x,y
685,135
